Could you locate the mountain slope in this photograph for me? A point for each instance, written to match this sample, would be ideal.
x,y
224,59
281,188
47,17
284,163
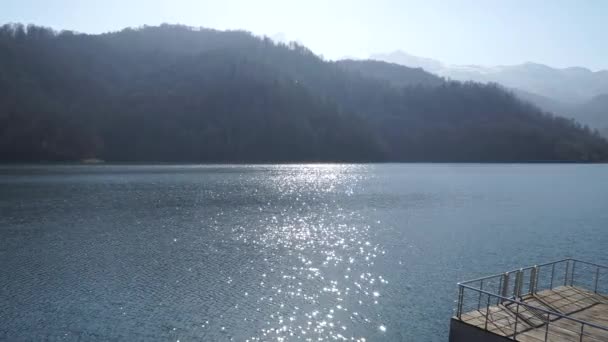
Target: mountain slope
x,y
173,93
394,73
594,112
569,85
569,92
70,97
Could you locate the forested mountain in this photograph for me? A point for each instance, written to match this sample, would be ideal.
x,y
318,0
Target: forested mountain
x,y
594,113
570,92
174,93
569,85
396,74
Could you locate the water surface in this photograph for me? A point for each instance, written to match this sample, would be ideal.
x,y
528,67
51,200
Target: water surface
x,y
260,252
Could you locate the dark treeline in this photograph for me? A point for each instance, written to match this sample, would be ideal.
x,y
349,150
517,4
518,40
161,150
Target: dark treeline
x,y
173,93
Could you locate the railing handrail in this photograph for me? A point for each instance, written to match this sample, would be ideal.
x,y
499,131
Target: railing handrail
x,y
514,300
531,267
589,263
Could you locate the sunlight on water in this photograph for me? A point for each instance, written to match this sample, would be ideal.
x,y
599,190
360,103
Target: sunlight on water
x,y
331,279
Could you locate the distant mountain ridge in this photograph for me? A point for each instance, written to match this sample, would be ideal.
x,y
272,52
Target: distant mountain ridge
x,y
404,58
395,73
575,92
573,85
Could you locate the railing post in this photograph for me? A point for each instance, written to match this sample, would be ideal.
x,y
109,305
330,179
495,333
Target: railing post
x,y
505,286
597,277
536,278
582,327
572,276
501,281
552,275
479,299
533,279
547,327
566,274
518,283
520,288
516,320
487,312
460,298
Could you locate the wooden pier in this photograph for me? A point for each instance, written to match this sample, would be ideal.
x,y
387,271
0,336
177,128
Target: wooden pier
x,y
525,305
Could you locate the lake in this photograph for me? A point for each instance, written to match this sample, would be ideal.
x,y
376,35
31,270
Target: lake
x,y
267,252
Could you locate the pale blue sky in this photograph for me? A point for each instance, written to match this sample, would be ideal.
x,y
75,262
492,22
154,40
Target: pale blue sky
x,y
556,32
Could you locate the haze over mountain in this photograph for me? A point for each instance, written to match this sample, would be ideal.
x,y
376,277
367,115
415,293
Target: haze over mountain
x,y
569,85
175,93
575,92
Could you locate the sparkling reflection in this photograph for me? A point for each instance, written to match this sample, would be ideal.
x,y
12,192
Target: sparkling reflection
x,y
320,258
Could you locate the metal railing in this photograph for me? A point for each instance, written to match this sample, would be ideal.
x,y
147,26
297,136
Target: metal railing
x,y
497,299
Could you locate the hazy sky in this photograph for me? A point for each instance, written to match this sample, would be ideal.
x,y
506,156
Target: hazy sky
x,y
488,32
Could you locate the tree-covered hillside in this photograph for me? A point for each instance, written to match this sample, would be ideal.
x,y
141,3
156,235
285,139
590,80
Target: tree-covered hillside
x,y
396,74
174,93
